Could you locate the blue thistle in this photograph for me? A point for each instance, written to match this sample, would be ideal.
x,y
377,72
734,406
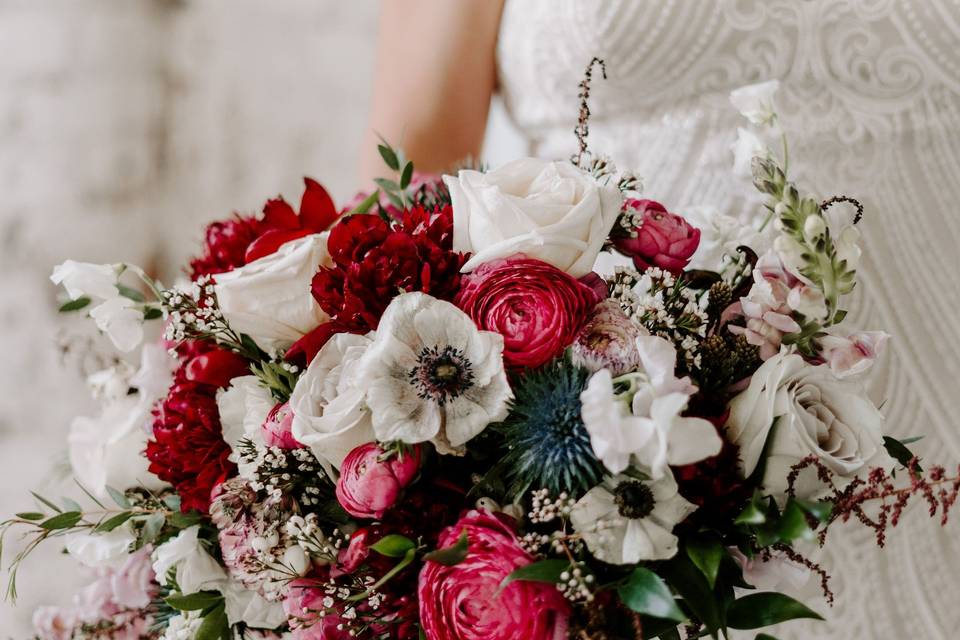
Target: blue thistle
x,y
547,444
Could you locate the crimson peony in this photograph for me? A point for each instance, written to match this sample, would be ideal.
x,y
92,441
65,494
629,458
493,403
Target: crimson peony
x,y
537,308
235,242
465,601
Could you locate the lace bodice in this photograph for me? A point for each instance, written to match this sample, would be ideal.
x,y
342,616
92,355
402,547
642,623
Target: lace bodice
x,y
870,96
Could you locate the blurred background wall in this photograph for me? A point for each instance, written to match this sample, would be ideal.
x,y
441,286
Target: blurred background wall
x,y
125,125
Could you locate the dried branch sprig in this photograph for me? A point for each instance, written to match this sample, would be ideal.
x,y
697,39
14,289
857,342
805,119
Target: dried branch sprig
x,y
935,487
798,558
582,130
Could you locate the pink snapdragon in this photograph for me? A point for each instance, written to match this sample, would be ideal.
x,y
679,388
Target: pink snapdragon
x,y
854,354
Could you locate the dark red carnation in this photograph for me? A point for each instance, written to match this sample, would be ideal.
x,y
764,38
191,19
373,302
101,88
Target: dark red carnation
x,y
374,261
187,449
233,243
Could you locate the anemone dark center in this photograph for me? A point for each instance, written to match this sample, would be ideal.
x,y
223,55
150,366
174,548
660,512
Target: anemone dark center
x,y
634,499
441,374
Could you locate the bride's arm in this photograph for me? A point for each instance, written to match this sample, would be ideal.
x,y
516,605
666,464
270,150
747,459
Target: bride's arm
x,y
435,74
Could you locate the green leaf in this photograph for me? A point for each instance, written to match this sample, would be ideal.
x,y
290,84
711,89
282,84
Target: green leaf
x,y
389,186
900,453
793,524
70,504
687,580
406,175
541,571
706,552
75,304
184,520
112,523
764,609
839,316
366,204
152,527
64,520
31,515
452,555
214,625
130,292
752,514
152,313
389,156
764,636
820,510
646,593
172,502
118,498
46,502
393,545
194,601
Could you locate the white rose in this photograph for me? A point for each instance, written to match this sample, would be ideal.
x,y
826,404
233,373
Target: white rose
x,y
269,299
550,211
755,101
86,279
243,408
196,570
108,450
815,414
328,402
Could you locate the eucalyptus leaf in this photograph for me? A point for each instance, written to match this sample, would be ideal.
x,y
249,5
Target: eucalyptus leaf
x,y
152,526
64,520
387,185
393,545
646,593
406,175
130,292
759,610
389,156
70,504
46,502
113,522
74,305
31,515
366,204
118,498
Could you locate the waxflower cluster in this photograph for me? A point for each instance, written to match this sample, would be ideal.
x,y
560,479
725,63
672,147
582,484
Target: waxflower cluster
x,y
514,403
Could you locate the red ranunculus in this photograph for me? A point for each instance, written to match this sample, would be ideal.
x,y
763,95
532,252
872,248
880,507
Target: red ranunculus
x,y
662,239
374,261
465,601
235,242
187,449
370,483
537,308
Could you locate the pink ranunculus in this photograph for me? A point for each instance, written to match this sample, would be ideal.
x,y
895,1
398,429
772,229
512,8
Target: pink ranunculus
x,y
852,355
465,601
537,308
371,481
309,617
276,429
661,239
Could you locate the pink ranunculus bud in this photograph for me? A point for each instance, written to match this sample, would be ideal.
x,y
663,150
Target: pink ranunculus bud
x,y
608,340
371,480
661,239
852,355
276,429
466,601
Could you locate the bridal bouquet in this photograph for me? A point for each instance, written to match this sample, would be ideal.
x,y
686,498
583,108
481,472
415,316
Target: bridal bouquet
x,y
516,403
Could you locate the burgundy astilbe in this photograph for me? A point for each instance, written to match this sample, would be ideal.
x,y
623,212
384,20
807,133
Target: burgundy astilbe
x,y
883,494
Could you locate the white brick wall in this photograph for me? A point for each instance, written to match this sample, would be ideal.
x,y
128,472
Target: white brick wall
x,y
124,126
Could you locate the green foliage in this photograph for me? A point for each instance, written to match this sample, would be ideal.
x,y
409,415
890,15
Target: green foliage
x,y
706,551
763,520
393,545
646,593
194,601
548,570
452,555
764,609
276,377
75,304
898,451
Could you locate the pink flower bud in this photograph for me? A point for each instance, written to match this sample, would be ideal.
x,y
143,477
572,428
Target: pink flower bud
x,y
371,481
661,239
276,429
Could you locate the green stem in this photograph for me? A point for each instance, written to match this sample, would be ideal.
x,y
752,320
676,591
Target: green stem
x,y
407,559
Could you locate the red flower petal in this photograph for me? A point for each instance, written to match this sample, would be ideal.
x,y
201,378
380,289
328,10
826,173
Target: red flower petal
x,y
317,211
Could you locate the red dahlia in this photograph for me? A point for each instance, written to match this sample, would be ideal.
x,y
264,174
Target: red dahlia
x,y
374,261
235,242
187,449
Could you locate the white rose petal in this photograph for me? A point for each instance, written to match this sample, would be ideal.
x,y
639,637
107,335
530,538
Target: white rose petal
x,y
747,147
815,413
329,414
550,211
269,299
101,550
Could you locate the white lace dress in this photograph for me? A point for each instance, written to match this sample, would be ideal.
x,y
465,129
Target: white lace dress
x,y
870,97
